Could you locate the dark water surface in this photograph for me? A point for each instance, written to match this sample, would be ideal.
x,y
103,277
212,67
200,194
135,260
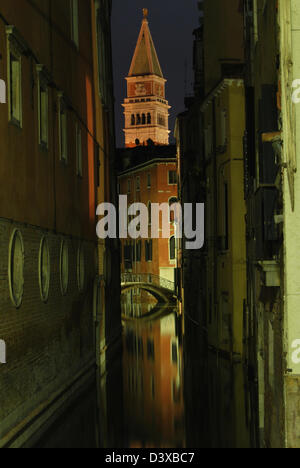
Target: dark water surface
x,y
162,392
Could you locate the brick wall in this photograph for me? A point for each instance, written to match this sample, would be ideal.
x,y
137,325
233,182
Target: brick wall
x,y
47,343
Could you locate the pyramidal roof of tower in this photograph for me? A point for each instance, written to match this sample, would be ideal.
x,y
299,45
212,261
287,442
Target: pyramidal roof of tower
x,y
145,60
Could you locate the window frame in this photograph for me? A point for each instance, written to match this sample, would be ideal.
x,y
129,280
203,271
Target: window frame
x,y
172,172
74,14
13,51
43,83
172,260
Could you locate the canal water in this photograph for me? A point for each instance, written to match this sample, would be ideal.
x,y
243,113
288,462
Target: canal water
x,y
162,392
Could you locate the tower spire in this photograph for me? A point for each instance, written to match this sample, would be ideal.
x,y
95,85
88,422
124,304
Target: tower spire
x,y
145,13
145,60
146,108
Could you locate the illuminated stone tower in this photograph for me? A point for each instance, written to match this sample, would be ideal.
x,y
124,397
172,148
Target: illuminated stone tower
x,y
145,108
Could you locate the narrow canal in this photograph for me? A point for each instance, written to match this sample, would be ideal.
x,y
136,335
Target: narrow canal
x,y
163,392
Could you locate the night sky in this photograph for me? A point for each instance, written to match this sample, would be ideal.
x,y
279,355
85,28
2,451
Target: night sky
x,y
171,23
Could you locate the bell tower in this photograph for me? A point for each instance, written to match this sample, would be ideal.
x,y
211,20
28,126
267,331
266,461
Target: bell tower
x,y
146,109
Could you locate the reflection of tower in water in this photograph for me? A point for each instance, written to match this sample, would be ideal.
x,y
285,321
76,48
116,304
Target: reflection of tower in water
x,y
154,411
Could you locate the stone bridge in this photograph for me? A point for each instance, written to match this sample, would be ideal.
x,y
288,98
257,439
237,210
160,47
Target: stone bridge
x,y
162,289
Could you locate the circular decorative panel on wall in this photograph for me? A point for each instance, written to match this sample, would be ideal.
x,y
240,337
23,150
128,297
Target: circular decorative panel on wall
x,y
44,269
64,267
16,268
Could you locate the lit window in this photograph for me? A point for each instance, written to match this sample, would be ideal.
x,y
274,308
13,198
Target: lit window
x,y
63,130
78,151
74,22
149,181
16,268
44,269
64,267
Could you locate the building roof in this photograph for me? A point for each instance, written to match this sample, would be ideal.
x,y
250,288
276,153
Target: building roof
x,y
131,158
145,60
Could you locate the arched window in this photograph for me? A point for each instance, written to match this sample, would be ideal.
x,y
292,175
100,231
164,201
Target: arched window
x,y
133,119
172,247
143,119
149,119
138,119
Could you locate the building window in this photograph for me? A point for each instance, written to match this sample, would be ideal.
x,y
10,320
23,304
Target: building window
x,y
172,178
16,268
74,22
78,150
149,251
149,181
138,119
129,186
63,129
143,119
172,248
43,107
15,86
138,184
80,268
64,267
44,269
133,119
149,213
149,119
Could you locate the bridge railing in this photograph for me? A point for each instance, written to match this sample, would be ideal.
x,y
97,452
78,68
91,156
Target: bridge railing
x,y
148,279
